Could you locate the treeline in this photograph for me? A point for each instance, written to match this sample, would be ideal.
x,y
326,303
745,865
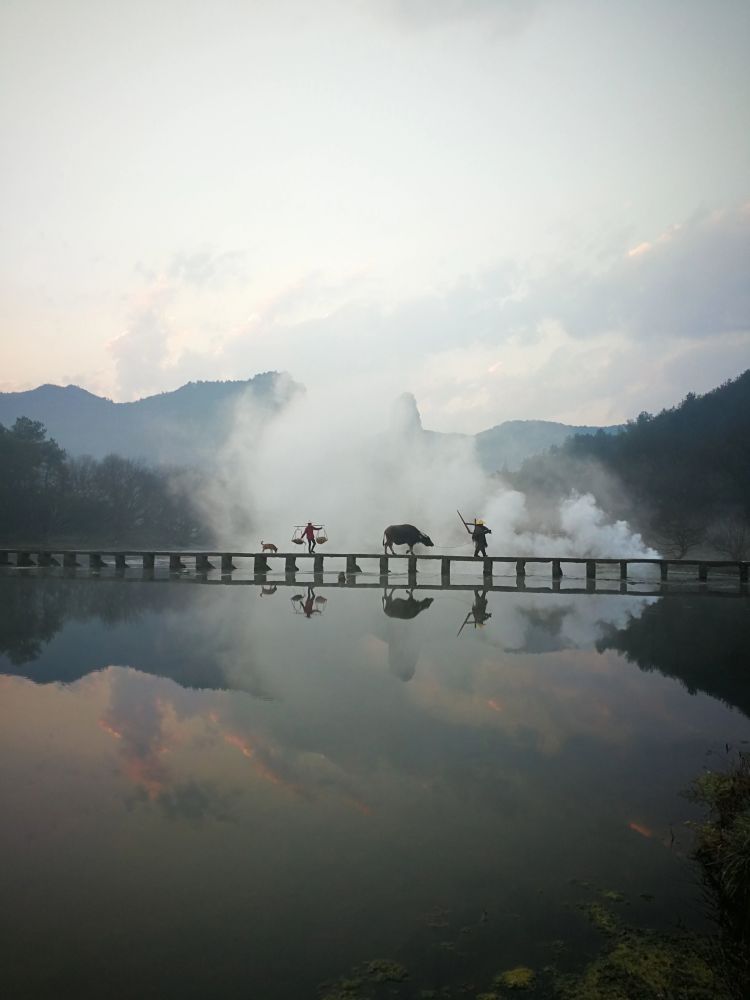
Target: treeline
x,y
681,477
47,496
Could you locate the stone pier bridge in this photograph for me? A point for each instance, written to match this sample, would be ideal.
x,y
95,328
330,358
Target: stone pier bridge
x,y
225,561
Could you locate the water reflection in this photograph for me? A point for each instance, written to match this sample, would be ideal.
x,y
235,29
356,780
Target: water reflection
x,y
268,804
681,636
404,607
309,605
478,616
707,649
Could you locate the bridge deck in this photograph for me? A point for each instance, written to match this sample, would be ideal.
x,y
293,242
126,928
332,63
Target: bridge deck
x,y
138,553
47,555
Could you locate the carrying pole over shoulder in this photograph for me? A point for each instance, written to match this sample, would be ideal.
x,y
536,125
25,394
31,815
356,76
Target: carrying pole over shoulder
x,y
463,522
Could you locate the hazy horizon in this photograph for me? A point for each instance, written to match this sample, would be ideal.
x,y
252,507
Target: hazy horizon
x,y
512,210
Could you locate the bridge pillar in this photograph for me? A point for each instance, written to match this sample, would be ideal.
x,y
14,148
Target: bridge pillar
x,y
203,564
487,570
317,563
260,564
120,561
412,571
663,569
290,566
227,566
384,566
96,561
148,560
703,571
175,563
351,566
744,567
556,569
445,570
70,561
4,560
520,567
591,569
47,559
623,569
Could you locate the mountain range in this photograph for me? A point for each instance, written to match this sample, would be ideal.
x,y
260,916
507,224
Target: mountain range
x,y
180,427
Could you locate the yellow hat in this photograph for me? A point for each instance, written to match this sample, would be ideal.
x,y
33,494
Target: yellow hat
x,y
479,521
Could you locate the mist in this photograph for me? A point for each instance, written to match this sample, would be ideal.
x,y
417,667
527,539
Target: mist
x,y
347,461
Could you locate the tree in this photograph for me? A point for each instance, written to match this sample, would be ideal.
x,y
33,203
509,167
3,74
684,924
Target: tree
x,y
32,468
679,531
731,537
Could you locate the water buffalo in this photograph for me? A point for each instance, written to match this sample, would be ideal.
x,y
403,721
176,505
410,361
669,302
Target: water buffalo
x,y
404,534
404,607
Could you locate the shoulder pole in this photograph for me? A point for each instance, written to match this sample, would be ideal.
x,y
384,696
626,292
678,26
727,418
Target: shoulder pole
x,y
464,522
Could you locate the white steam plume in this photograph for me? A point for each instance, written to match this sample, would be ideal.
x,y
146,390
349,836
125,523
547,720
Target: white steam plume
x,y
339,460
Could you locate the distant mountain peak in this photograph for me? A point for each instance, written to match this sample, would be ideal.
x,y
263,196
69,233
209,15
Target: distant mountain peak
x,y
404,415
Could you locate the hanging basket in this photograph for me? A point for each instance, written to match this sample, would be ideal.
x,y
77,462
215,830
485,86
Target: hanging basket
x,y
321,537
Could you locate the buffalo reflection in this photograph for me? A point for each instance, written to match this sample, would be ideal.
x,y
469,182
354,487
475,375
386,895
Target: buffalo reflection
x,y
404,607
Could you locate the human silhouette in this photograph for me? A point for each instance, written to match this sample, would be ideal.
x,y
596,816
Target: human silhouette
x,y
308,532
479,537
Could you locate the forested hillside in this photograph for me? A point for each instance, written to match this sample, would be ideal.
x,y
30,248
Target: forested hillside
x,y
46,495
681,476
181,426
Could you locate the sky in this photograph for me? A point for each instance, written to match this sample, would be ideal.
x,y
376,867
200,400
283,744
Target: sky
x,y
514,209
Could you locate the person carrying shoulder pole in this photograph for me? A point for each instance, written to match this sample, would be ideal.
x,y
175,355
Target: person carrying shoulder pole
x,y
308,532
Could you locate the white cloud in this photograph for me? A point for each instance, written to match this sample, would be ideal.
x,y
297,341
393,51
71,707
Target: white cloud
x,y
579,347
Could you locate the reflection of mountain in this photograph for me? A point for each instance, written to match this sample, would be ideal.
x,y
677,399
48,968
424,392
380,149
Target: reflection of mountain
x,y
36,610
703,643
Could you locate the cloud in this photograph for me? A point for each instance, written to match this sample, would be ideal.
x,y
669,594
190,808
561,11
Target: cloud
x,y
140,352
659,317
203,267
689,281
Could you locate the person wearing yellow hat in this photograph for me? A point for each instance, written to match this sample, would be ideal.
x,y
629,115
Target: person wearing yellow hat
x,y
479,537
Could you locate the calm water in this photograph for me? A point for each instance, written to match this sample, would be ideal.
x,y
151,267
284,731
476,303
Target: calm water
x,y
207,792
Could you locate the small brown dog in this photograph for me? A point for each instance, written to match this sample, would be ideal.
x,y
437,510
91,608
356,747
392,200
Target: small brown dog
x,y
269,547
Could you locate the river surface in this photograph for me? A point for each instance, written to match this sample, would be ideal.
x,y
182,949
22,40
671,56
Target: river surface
x,y
236,791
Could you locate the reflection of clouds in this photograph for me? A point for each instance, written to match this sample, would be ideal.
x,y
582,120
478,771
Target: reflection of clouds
x,y
533,623
196,801
306,774
151,720
531,703
136,719
341,733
